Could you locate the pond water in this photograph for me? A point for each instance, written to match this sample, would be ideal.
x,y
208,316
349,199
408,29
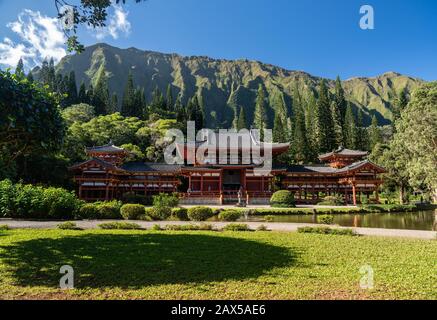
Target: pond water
x,y
423,220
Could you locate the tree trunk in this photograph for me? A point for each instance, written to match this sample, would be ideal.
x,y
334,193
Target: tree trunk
x,y
401,194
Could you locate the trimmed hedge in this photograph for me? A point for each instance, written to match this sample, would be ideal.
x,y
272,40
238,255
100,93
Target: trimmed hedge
x,y
325,219
68,226
180,214
326,230
100,210
200,213
230,215
332,201
159,213
132,211
236,227
120,226
282,199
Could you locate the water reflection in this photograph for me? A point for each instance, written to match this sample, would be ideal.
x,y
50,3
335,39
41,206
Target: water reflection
x,y
424,220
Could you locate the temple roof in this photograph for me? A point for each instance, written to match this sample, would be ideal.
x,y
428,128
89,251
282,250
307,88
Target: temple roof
x,y
101,162
107,148
344,152
149,167
358,165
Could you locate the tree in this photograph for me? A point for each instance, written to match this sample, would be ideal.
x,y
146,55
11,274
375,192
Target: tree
x,y
30,122
128,107
90,94
362,139
278,129
169,98
181,114
300,149
324,125
350,128
89,13
71,89
241,123
82,96
19,70
400,103
340,100
374,133
30,77
101,92
158,104
416,134
260,117
114,103
81,113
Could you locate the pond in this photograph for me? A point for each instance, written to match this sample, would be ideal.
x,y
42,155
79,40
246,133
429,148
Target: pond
x,y
423,220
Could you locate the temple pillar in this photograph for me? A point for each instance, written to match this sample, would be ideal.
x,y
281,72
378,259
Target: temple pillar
x,y
354,194
377,193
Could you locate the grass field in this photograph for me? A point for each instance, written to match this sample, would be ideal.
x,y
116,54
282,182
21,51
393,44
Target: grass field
x,y
139,264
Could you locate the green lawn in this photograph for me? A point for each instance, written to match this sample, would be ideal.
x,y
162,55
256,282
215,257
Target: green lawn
x,y
213,265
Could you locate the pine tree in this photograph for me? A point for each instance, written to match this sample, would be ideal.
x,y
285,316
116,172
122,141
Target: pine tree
x,y
158,104
90,94
101,92
340,100
181,116
374,133
72,89
350,128
44,73
128,102
169,98
278,128
362,139
19,70
399,105
260,117
30,77
242,123
199,115
114,103
338,125
300,147
82,96
325,136
51,75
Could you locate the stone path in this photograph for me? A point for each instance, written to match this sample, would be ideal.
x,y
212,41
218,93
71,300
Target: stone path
x,y
287,227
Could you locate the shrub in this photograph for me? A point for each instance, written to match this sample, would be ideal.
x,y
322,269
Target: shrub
x,y
4,227
145,217
156,227
325,219
200,213
60,203
120,226
189,227
165,200
335,200
262,228
180,214
132,211
160,213
68,226
269,218
282,199
88,211
28,201
109,209
132,198
326,230
236,227
229,215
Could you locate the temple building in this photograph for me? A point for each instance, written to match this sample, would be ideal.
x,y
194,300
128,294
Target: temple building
x,y
222,172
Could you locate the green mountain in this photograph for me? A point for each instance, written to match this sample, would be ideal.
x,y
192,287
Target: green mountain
x,y
225,86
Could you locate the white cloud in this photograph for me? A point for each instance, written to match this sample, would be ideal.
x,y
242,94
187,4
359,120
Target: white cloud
x,y
117,24
40,36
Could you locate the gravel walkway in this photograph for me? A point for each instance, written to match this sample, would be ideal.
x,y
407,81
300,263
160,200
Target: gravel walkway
x,y
287,227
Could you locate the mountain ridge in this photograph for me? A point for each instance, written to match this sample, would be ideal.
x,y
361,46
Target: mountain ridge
x,y
225,85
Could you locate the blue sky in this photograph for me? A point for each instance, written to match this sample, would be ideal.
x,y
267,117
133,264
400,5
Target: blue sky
x,y
317,36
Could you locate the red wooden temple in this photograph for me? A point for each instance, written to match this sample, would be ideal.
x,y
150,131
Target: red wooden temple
x,y
106,175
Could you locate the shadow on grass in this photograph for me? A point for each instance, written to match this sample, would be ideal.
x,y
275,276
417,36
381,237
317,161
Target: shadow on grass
x,y
138,260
